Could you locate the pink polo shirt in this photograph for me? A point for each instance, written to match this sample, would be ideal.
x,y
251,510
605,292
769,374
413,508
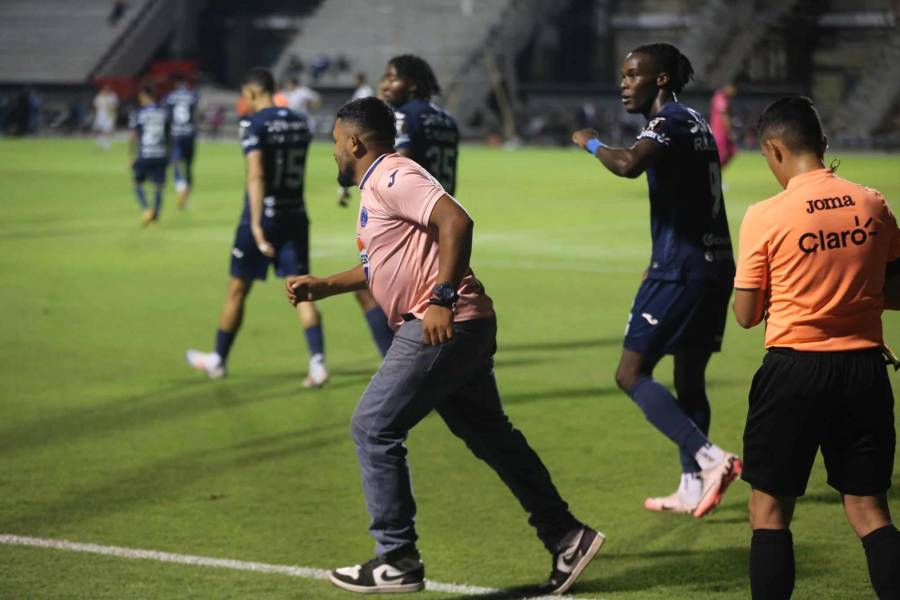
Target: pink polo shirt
x,y
398,250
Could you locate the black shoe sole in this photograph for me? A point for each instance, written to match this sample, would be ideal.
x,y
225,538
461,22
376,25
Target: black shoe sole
x,y
399,588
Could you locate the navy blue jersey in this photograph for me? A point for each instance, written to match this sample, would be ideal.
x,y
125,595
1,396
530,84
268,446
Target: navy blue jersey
x,y
432,136
150,123
283,137
182,106
687,212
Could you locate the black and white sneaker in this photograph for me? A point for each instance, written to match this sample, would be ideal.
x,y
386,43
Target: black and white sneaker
x,y
382,576
571,561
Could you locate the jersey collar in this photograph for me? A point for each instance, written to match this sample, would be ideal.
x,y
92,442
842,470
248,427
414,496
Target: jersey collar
x,y
371,168
804,178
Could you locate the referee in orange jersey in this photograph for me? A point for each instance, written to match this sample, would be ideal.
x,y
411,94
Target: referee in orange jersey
x,y
819,261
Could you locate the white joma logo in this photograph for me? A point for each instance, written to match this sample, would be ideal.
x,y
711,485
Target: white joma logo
x,y
649,318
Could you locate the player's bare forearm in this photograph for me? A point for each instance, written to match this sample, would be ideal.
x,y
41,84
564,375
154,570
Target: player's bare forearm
x,y
454,240
307,288
624,162
620,161
255,193
749,306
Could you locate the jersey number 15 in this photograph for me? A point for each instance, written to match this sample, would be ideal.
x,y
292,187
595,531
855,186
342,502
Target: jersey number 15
x,y
289,167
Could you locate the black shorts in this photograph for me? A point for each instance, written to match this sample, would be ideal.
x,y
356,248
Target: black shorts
x,y
839,401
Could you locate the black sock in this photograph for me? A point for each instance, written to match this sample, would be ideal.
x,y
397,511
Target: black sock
x,y
882,548
771,564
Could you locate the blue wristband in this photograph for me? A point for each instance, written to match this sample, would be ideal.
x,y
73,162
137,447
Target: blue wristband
x,y
593,144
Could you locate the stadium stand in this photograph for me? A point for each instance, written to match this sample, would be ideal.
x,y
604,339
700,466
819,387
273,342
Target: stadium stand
x,y
61,42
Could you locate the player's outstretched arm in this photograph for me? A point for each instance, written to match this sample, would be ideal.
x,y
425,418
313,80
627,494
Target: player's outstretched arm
x,y
749,306
307,288
624,162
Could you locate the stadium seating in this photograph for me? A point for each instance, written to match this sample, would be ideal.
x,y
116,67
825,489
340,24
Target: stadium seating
x,y
59,41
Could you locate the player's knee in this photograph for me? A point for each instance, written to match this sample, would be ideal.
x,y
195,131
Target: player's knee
x,y
626,378
238,290
866,513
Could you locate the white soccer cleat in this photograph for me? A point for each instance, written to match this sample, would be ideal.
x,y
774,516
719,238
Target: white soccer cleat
x,y
715,481
318,372
672,503
206,362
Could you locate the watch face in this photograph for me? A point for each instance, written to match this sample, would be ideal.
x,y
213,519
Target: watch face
x,y
445,293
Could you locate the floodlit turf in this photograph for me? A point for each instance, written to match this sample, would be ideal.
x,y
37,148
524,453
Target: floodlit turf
x,y
107,437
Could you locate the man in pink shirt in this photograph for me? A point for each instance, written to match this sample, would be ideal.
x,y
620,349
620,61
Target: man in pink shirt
x,y
720,122
415,242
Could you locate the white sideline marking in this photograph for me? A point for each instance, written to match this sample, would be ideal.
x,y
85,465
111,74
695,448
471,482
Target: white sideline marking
x,y
227,563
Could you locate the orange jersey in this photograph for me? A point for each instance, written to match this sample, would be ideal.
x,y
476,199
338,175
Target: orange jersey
x,y
820,249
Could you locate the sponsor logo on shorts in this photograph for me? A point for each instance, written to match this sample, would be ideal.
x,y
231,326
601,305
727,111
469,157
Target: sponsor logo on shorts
x,y
363,217
650,319
237,253
812,242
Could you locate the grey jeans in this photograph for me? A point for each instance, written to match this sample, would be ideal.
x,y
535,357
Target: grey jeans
x,y
457,380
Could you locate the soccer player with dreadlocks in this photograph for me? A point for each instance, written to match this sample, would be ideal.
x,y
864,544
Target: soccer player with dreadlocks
x,y
426,133
681,306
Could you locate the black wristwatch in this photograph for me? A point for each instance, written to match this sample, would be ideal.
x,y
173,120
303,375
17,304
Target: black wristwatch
x,y
444,294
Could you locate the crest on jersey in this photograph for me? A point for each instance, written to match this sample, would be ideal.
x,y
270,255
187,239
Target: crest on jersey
x,y
363,217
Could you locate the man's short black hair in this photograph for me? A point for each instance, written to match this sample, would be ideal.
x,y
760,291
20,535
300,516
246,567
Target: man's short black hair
x,y
418,72
669,59
373,118
795,121
149,90
260,77
179,77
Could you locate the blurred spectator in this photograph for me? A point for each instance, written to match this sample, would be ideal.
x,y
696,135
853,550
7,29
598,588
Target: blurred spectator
x,y
363,89
320,65
586,116
720,122
301,98
35,103
117,12
216,120
106,106
22,110
342,64
294,68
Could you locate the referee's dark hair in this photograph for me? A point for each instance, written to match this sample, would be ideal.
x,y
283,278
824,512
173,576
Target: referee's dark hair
x,y
795,121
419,73
669,59
260,77
372,117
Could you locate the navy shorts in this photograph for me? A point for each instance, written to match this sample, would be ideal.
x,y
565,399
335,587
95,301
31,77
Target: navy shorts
x,y
668,316
153,169
183,149
291,242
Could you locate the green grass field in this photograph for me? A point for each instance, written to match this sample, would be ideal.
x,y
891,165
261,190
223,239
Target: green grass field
x,y
107,437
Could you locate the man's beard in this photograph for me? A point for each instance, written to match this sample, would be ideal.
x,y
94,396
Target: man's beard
x,y
345,176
